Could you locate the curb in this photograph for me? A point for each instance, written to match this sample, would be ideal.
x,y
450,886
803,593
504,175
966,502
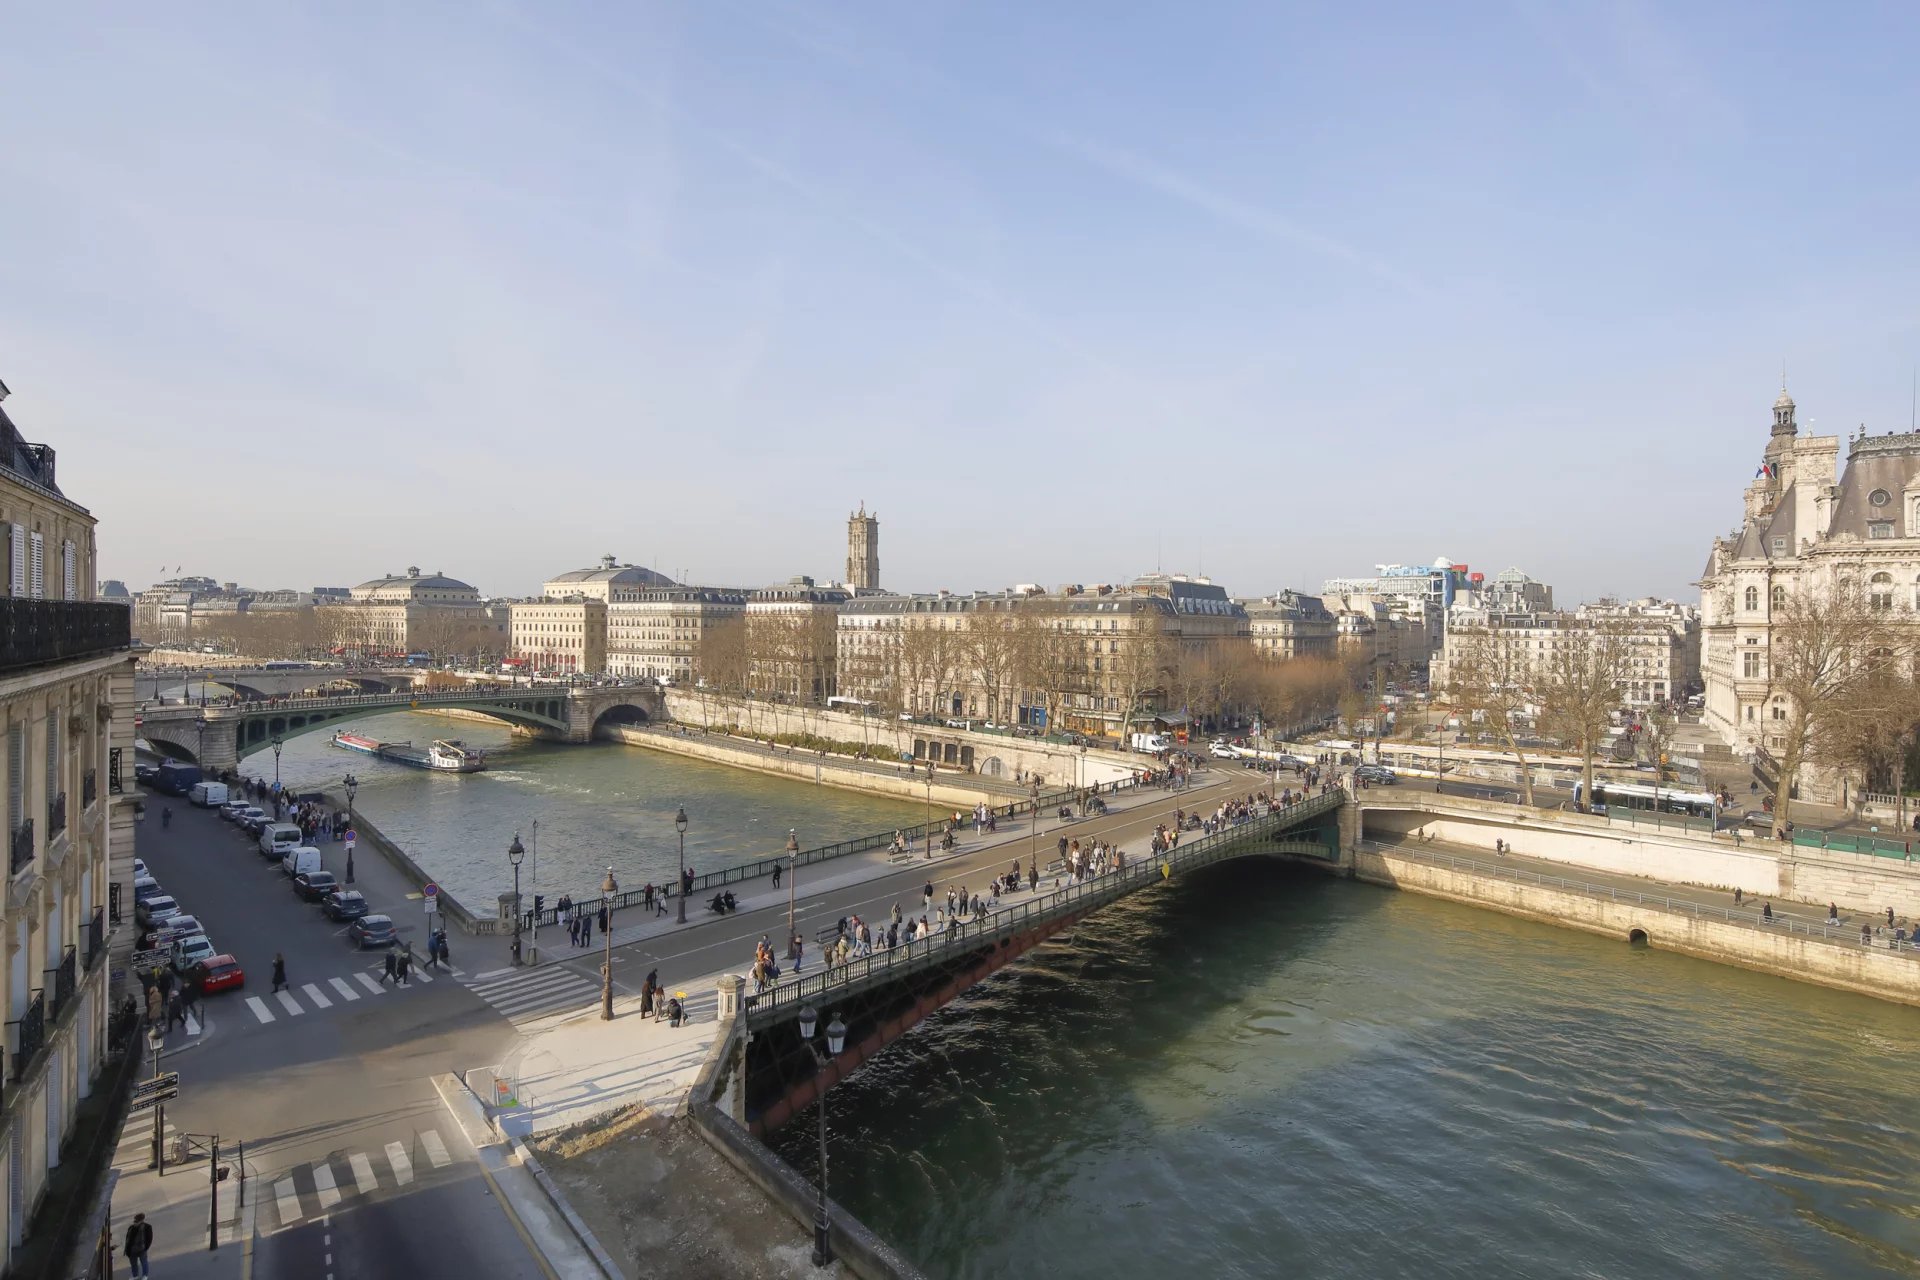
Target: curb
x,y
565,1209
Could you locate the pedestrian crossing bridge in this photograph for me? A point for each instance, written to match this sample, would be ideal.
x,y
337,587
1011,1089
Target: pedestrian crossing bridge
x,y
879,997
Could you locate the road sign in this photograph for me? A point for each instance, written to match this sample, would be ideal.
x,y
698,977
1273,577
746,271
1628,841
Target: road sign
x,y
152,1100
150,959
158,1084
431,892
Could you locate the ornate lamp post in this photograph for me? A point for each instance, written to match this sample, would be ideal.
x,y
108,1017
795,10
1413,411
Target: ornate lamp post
x,y
680,825
277,744
515,852
836,1041
929,831
793,861
353,785
608,888
156,1040
1033,824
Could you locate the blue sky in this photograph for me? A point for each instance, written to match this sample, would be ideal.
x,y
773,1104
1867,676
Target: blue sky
x,y
304,294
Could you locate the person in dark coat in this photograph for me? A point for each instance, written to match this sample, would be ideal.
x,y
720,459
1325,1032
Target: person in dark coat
x,y
279,972
139,1240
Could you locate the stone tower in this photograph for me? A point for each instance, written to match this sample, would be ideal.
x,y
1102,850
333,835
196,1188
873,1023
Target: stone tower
x,y
863,550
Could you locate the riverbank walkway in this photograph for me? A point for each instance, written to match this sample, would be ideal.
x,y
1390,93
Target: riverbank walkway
x,y
1005,788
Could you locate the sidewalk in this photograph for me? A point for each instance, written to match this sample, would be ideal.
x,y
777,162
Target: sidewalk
x,y
178,1204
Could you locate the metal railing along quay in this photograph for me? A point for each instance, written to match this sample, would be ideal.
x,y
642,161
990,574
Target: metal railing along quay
x,y
808,857
1840,935
1011,921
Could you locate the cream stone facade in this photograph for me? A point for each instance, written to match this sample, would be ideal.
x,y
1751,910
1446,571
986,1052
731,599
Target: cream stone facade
x,y
568,637
790,639
403,612
656,632
1806,525
1290,625
1660,643
66,731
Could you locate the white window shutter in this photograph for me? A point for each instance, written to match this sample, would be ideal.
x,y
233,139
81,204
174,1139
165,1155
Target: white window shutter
x,y
37,565
16,774
69,570
17,558
53,763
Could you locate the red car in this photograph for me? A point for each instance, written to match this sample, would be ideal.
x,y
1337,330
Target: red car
x,y
219,973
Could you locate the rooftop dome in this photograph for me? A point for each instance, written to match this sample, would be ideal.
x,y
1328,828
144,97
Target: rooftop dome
x,y
409,584
625,575
1785,401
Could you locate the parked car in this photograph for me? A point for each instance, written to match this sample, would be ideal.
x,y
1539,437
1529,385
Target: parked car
x,y
145,772
140,868
1758,820
145,887
315,886
190,951
373,931
250,819
231,809
345,904
219,973
157,909
171,931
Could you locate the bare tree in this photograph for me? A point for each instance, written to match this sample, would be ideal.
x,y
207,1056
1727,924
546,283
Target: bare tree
x,y
1825,643
1873,729
1492,678
991,653
1142,668
1579,687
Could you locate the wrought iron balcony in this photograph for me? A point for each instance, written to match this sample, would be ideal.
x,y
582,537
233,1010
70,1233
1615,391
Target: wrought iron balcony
x,y
62,984
56,815
38,633
97,934
89,789
29,1034
22,849
115,785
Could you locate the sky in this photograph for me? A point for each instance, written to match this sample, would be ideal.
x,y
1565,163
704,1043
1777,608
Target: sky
x,y
1066,292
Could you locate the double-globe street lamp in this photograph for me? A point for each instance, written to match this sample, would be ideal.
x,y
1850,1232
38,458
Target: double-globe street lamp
x,y
515,852
608,888
353,785
836,1041
686,883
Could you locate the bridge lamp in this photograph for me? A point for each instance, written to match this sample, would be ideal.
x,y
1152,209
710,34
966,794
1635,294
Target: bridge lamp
x,y
793,861
680,825
836,1041
608,888
515,852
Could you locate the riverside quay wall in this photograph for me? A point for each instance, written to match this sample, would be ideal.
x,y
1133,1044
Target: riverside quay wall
x,y
1874,971
950,789
992,755
1769,868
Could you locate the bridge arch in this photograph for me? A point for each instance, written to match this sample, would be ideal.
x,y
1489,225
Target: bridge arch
x,y
621,713
256,732
1639,937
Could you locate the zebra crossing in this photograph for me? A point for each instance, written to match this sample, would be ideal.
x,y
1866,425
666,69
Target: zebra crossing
x,y
525,996
307,1191
337,991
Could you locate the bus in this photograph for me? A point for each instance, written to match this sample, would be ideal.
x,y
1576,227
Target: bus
x,y
1646,798
853,706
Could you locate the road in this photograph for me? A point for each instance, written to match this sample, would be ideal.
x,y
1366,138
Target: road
x,y
352,1162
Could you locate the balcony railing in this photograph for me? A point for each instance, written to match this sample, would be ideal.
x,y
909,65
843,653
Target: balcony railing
x,y
29,1034
115,786
62,984
22,848
56,815
97,934
89,789
37,633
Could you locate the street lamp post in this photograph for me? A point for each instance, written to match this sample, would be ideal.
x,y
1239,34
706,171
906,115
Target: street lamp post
x,y
793,862
156,1040
929,830
515,852
277,744
1033,826
680,825
353,785
836,1041
607,889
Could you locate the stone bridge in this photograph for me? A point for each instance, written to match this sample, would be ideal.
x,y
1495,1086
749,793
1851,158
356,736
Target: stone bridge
x,y
259,682
220,737
879,997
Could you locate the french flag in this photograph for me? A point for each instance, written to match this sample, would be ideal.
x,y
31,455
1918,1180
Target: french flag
x,y
1768,470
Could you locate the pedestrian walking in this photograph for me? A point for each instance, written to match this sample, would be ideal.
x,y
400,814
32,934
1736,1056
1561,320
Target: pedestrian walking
x,y
776,875
446,957
155,1008
389,970
404,968
138,1242
279,972
586,931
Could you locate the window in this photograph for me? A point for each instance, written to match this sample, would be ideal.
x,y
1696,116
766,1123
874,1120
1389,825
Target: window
x,y
1879,497
1779,712
1749,715
1779,597
37,565
1779,546
1880,593
1753,598
1880,528
1750,664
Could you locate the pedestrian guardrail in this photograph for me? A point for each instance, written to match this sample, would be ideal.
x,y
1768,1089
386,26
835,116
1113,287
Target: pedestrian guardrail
x,y
1838,934
1068,902
1842,842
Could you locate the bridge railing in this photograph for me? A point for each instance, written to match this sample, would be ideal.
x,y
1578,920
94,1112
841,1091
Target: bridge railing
x,y
436,698
1012,921
1844,934
807,857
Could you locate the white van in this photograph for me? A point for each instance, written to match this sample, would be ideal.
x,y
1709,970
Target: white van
x,y
208,795
278,839
300,860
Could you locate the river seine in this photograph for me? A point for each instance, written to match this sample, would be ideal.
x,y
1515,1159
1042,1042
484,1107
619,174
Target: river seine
x,y
596,805
1259,1071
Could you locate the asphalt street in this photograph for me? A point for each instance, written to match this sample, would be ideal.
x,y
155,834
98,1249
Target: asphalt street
x,y
352,1161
